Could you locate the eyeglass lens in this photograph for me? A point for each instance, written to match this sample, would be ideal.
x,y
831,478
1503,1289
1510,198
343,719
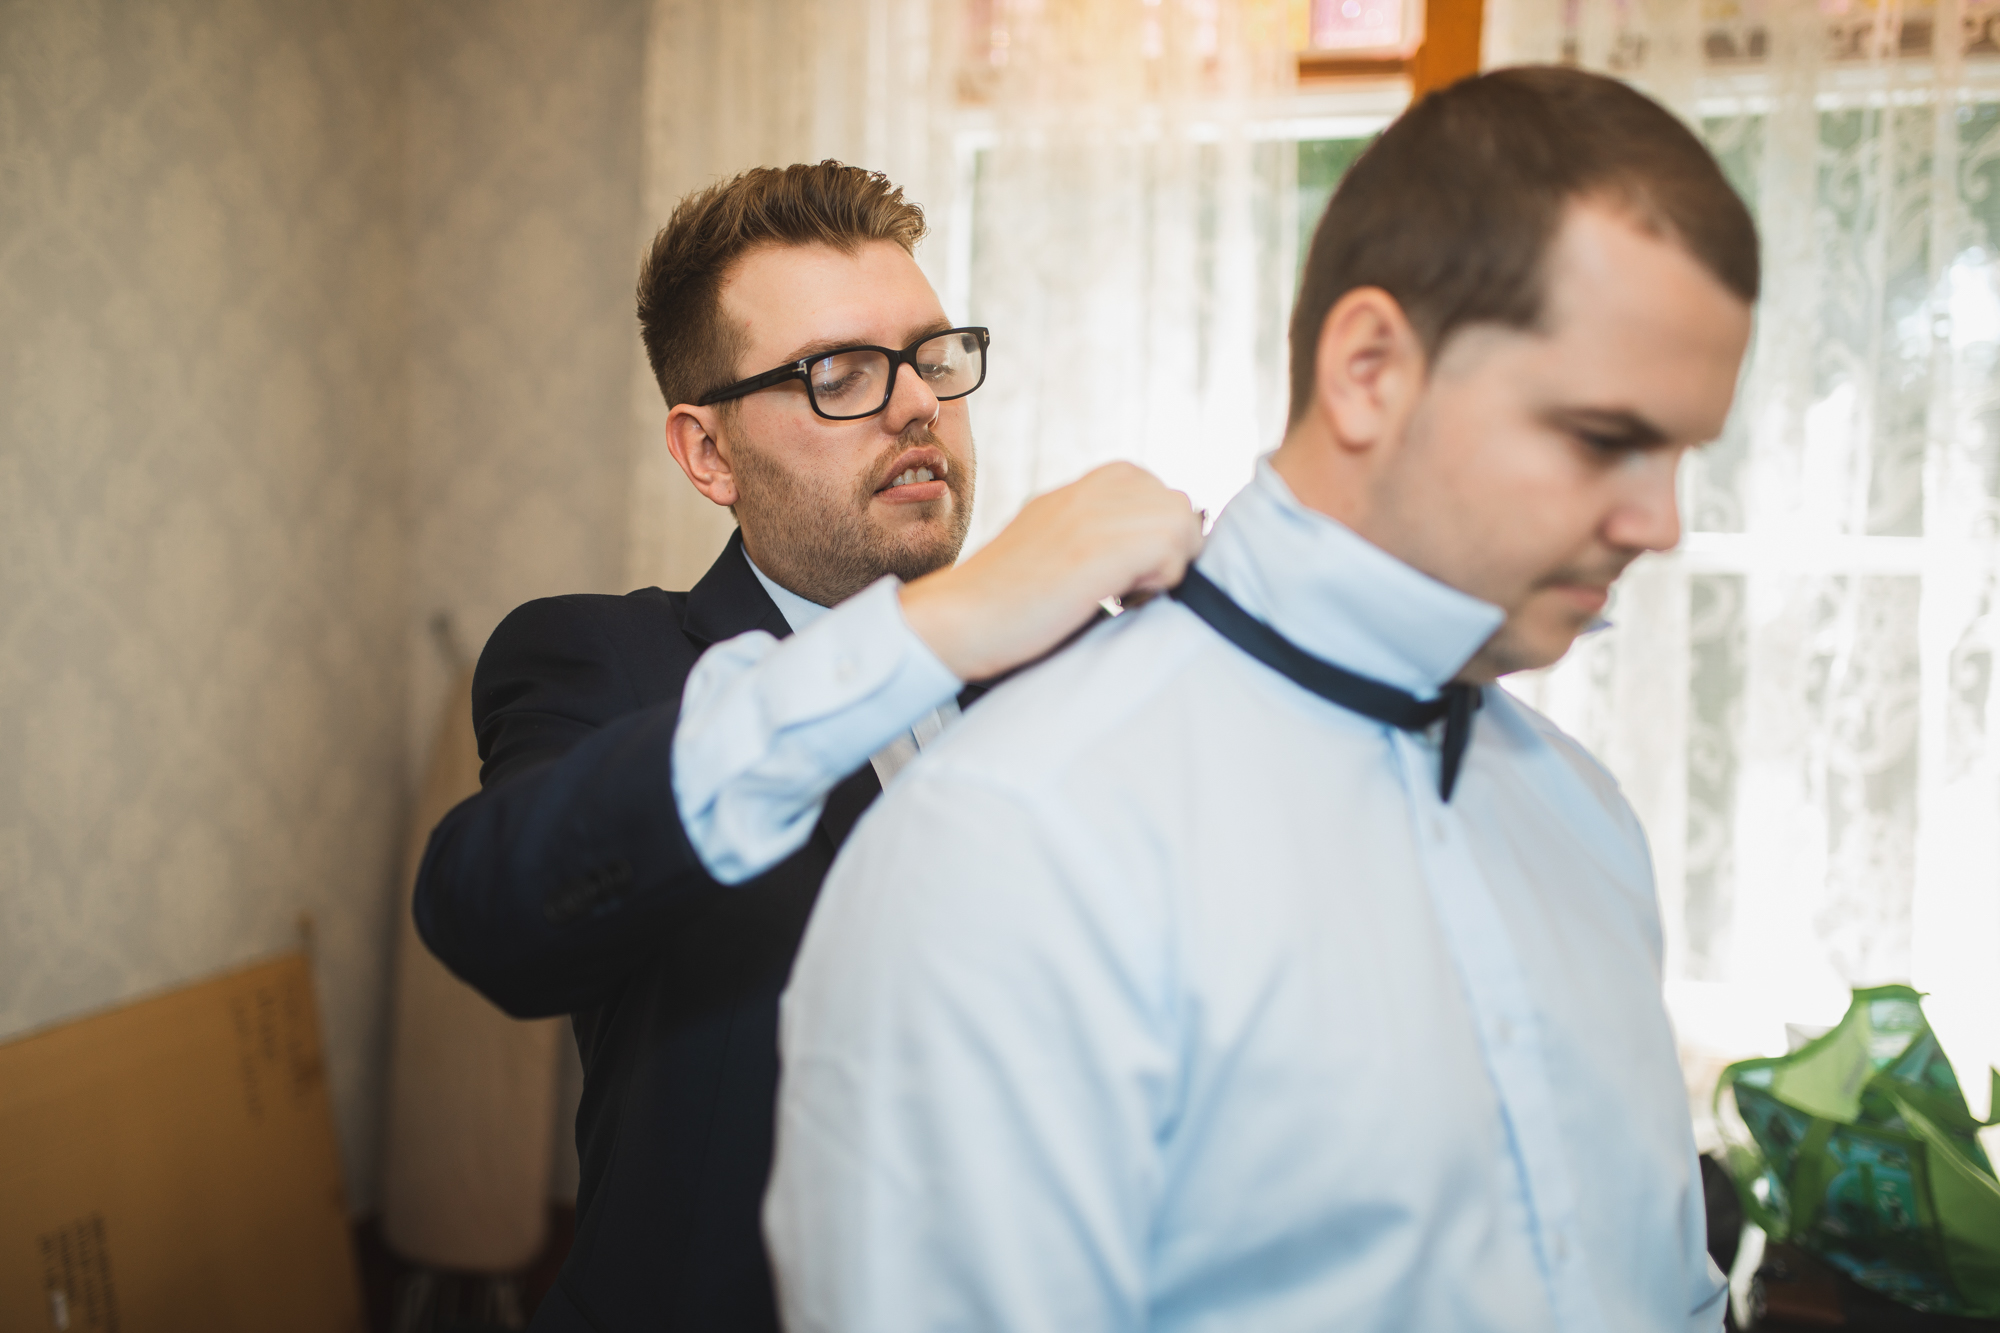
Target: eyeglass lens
x,y
858,383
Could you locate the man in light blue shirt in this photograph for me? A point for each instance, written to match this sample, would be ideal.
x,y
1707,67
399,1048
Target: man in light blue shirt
x,y
1258,964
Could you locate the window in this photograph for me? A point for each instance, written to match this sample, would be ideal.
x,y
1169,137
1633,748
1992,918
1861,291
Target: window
x,y
1799,700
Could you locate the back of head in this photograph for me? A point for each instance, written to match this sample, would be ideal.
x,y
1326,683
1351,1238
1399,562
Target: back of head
x,y
691,347
1453,209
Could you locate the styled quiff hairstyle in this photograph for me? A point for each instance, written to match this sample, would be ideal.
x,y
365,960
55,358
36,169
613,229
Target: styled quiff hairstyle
x,y
691,347
1453,210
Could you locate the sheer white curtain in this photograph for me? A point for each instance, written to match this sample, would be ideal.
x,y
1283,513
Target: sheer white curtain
x,y
1104,187
1134,240
1802,698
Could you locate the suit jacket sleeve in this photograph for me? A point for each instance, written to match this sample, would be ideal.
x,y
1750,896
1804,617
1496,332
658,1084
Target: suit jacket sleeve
x,y
546,889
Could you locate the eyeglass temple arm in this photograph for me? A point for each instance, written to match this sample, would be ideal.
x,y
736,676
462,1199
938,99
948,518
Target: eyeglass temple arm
x,y
796,370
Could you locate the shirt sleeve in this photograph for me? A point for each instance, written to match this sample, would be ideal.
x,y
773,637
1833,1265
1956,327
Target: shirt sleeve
x,y
975,1078
767,728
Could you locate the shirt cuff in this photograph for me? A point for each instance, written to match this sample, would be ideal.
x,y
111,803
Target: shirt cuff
x,y
767,728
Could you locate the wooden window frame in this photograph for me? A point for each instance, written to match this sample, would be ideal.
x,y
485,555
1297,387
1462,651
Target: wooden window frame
x,y
1450,52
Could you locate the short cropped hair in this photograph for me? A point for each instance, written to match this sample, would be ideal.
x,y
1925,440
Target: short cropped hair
x,y
691,347
1454,208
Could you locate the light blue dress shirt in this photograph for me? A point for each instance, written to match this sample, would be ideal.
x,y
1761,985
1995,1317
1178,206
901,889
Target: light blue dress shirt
x,y
1163,994
768,728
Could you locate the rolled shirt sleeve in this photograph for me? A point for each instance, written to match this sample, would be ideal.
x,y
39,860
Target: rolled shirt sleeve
x,y
767,728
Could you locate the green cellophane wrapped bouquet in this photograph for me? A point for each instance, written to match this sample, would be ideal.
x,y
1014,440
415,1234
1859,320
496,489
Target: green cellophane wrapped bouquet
x,y
1866,1155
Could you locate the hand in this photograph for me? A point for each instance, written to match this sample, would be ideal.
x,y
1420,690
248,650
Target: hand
x,y
1116,532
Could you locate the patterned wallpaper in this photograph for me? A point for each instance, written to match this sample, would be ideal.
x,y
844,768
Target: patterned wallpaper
x,y
316,323
525,184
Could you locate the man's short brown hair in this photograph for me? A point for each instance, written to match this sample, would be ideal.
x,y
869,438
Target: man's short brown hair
x,y
692,348
1453,210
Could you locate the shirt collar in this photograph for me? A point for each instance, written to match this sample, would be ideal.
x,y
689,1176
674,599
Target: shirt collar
x,y
797,611
1339,596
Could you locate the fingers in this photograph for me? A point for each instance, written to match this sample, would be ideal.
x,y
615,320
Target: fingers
x,y
1133,534
1116,531
1165,557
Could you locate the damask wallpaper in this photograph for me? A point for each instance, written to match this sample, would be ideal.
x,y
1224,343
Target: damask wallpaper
x,y
525,187
525,232
315,324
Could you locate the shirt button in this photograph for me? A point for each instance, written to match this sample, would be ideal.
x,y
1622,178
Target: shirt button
x,y
1503,1031
1437,828
1559,1247
843,669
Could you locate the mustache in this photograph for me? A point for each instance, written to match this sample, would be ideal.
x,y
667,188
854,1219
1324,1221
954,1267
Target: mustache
x,y
916,435
919,435
1591,574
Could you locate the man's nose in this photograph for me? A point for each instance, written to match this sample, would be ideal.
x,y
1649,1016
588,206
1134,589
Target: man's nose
x,y
910,401
1647,516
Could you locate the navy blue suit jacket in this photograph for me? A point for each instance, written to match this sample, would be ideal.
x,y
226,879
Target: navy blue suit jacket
x,y
567,886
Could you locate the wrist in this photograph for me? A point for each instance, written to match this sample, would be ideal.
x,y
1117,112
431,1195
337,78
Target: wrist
x,y
934,609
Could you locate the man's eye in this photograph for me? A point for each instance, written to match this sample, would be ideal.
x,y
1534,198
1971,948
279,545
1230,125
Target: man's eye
x,y
837,381
933,370
1608,444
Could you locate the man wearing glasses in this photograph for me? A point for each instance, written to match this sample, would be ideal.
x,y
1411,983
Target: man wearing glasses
x,y
668,775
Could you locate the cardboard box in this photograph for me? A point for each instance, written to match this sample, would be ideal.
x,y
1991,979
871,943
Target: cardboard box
x,y
172,1165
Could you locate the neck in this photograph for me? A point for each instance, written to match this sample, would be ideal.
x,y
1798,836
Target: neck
x,y
1338,479
1332,478
1485,667
1339,596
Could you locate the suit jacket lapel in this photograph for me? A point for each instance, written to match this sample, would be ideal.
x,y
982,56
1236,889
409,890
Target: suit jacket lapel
x,y
730,601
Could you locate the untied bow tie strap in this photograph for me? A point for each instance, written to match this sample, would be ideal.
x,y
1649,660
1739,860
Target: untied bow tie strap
x,y
1356,693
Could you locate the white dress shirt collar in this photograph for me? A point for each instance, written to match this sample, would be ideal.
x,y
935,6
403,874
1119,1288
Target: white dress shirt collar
x,y
797,611
1339,596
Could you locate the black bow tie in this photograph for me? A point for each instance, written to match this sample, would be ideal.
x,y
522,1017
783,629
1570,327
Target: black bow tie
x,y
1359,694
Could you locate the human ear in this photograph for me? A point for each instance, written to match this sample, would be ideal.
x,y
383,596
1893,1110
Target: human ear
x,y
1368,370
693,438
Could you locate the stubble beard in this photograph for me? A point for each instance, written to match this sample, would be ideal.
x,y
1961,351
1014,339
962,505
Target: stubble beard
x,y
826,544
1511,648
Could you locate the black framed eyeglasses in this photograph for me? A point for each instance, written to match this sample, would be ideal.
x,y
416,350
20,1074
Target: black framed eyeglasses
x,y
856,382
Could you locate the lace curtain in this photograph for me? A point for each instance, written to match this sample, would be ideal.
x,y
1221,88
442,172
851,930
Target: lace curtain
x,y
1134,239
1106,187
1801,699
